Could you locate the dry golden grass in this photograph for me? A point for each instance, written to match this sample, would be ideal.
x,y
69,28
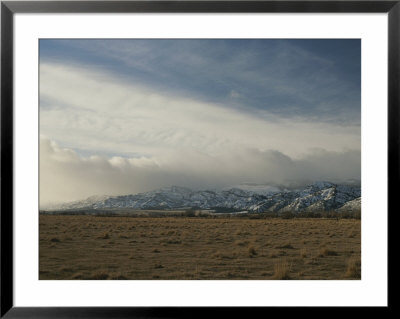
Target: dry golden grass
x,y
281,270
303,253
354,268
324,251
120,248
252,251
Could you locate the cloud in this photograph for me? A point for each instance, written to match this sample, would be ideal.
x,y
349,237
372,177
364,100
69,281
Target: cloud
x,y
95,111
308,77
65,176
103,134
234,94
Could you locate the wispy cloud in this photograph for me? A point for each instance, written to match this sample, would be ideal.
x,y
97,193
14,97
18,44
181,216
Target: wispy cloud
x,y
309,78
88,106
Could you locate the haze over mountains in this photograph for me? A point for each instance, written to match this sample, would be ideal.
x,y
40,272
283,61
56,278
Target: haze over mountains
x,y
317,197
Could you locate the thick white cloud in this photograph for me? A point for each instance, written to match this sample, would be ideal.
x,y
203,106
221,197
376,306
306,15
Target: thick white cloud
x,y
65,176
153,139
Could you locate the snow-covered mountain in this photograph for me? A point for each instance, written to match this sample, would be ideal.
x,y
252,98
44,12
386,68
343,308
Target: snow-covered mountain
x,y
319,196
351,206
259,188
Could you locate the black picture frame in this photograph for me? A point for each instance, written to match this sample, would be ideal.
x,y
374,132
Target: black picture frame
x,y
9,8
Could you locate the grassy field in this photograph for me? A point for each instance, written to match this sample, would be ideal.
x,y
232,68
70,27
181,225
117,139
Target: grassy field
x,y
92,247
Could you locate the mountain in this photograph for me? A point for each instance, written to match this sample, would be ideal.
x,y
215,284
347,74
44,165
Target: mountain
x,y
351,206
259,188
319,196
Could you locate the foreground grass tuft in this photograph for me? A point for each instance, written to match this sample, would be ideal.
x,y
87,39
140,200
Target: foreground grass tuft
x,y
354,268
105,235
252,251
281,270
323,252
286,246
100,275
118,276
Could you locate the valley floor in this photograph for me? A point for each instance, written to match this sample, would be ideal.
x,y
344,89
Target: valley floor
x,y
93,247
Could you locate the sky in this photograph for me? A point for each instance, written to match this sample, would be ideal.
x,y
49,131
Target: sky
x,y
127,116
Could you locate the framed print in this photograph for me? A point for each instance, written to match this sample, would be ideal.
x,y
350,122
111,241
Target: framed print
x,y
163,155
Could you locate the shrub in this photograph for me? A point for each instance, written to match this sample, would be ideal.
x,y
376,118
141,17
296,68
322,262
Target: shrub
x,y
190,213
287,215
357,215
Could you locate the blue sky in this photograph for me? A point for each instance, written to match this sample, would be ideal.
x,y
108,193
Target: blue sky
x,y
319,79
124,116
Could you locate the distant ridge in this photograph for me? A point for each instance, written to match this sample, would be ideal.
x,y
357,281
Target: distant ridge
x,y
318,196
